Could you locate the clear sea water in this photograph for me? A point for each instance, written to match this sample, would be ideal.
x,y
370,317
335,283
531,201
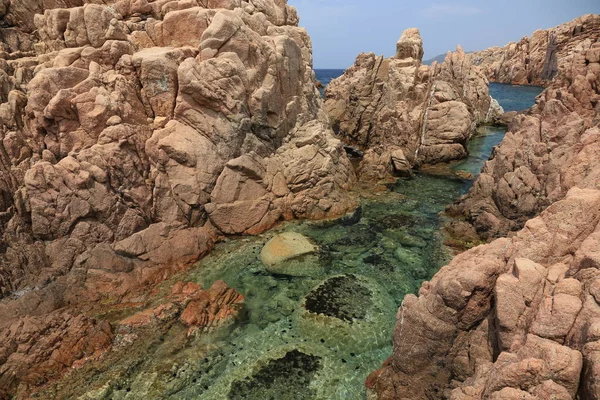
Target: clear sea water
x,y
327,75
363,270
514,97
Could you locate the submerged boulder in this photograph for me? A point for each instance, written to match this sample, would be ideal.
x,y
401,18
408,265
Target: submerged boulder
x,y
290,253
349,310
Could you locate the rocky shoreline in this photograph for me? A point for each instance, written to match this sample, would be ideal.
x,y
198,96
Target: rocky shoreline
x,y
516,318
135,134
403,114
537,59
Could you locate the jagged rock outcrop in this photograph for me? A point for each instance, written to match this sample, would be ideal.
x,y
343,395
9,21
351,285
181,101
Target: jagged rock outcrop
x,y
398,108
513,319
517,318
544,153
537,59
133,133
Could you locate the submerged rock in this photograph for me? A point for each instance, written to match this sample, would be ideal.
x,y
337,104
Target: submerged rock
x,y
340,297
292,254
348,310
286,246
286,377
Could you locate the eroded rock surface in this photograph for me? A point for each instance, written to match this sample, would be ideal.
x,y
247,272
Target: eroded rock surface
x,y
517,318
544,153
513,319
402,113
133,133
537,59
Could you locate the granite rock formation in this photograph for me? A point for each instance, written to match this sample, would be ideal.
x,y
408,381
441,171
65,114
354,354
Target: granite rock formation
x,y
517,318
544,153
402,113
514,319
133,134
537,59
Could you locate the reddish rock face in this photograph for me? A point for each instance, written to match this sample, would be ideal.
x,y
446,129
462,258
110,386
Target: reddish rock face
x,y
517,318
514,318
209,309
200,310
133,133
544,153
402,113
34,350
537,59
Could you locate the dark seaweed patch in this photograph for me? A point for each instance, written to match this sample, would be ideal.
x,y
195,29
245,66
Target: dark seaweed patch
x,y
342,297
284,378
398,221
379,263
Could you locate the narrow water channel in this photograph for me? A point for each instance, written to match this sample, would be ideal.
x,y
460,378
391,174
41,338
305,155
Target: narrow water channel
x,y
283,347
363,269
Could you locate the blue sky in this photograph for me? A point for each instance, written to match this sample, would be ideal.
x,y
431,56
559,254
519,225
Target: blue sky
x,y
340,29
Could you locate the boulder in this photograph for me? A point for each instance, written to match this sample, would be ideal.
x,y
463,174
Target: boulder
x,y
290,253
515,318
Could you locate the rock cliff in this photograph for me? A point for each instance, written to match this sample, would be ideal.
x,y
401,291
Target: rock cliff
x,y
517,318
402,113
133,134
537,59
514,319
544,153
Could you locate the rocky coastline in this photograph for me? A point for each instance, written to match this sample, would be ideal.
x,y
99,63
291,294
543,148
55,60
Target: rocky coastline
x,y
538,59
135,134
516,318
403,114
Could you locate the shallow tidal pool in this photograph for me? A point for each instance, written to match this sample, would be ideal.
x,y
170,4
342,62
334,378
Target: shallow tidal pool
x,y
320,335
317,334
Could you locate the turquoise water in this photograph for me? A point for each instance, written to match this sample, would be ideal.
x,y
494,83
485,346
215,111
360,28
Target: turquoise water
x,y
377,258
511,98
480,147
296,340
316,336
